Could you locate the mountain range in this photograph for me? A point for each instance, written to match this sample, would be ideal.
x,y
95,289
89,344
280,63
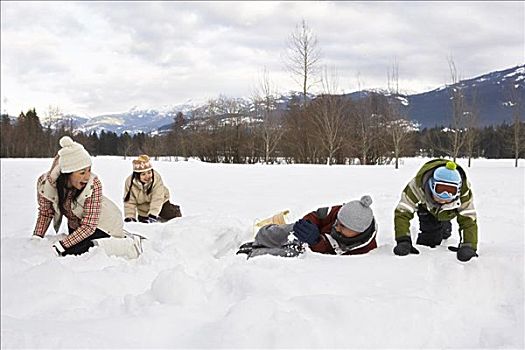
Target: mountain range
x,y
429,109
492,95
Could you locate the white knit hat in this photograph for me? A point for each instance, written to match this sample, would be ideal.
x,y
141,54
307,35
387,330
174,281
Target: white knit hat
x,y
357,215
73,156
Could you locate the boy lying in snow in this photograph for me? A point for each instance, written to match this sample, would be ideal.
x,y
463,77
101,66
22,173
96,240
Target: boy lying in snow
x,y
344,230
438,193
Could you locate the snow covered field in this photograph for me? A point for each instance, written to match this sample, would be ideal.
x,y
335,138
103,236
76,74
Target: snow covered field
x,y
190,290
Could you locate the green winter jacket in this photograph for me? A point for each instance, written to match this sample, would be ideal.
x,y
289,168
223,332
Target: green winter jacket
x,y
417,193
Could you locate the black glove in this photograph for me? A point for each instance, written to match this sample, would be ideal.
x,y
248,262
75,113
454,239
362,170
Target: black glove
x,y
464,253
307,232
152,219
404,247
130,220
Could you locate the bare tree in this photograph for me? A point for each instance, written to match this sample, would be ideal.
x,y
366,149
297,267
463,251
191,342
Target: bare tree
x,y
397,125
303,56
455,132
298,130
393,78
54,114
362,120
328,115
516,103
471,126
271,129
399,130
233,133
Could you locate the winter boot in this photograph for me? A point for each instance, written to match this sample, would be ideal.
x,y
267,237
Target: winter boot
x,y
288,250
245,248
169,211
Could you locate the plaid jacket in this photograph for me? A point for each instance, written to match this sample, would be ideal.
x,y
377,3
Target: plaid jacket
x,y
89,211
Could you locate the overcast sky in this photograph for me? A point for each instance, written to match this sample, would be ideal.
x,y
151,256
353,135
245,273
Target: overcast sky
x,y
91,58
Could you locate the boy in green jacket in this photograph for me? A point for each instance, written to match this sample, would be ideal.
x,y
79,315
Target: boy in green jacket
x,y
439,192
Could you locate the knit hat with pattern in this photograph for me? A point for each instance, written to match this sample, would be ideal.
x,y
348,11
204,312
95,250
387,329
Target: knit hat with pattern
x,y
141,164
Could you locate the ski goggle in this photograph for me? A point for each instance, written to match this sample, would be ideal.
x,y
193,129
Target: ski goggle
x,y
444,190
440,187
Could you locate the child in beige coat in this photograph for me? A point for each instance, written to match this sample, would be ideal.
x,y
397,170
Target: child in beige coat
x,y
145,196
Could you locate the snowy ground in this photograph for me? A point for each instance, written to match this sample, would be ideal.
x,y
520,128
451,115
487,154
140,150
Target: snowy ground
x,y
190,290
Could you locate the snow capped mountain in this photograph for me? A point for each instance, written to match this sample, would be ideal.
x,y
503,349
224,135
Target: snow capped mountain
x,y
490,91
428,109
133,121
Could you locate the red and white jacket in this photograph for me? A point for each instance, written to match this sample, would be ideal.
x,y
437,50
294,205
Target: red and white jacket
x,y
89,211
324,219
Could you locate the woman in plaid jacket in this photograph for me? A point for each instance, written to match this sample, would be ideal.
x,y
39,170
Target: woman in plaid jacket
x,y
70,189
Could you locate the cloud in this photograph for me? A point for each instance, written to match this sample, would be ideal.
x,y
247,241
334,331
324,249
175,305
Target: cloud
x,y
99,57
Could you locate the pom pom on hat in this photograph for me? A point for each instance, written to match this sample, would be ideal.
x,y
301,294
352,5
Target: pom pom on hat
x,y
72,156
141,164
66,141
366,201
451,166
357,215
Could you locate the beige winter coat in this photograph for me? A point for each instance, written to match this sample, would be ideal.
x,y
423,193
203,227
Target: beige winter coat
x,y
142,202
110,220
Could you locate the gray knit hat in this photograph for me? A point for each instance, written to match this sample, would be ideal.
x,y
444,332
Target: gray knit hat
x,y
356,215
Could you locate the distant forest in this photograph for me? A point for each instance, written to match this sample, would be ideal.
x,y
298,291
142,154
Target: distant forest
x,y
326,130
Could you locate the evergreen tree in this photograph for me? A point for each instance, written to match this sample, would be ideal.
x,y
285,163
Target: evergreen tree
x,y
6,135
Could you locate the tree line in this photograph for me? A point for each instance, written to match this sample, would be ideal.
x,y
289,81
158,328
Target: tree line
x,y
329,129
